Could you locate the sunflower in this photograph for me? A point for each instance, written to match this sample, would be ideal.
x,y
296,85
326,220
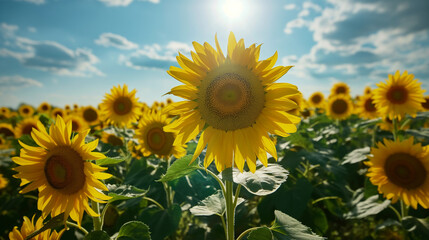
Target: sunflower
x,y
6,130
366,108
4,144
367,90
317,99
58,112
4,113
400,95
231,100
25,126
339,107
3,181
111,139
78,123
90,115
28,227
44,107
425,104
340,88
400,170
60,169
26,110
120,107
154,140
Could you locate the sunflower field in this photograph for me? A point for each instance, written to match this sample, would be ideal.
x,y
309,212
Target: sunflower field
x,y
241,156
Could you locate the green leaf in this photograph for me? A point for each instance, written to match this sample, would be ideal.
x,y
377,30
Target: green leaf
x,y
97,235
287,228
181,167
109,161
264,181
27,139
262,233
420,227
134,230
124,192
370,206
357,155
162,223
214,204
421,133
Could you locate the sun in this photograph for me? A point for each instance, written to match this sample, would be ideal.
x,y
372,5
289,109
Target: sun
x,y
232,9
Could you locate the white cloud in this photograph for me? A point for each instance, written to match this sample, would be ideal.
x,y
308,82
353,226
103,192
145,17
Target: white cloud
x,y
16,81
363,39
32,29
155,56
115,40
290,6
124,3
38,2
8,30
53,57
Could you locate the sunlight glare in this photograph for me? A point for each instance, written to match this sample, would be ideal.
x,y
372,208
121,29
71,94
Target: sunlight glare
x,y
233,9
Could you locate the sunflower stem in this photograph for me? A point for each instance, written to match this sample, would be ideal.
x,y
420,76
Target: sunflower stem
x,y
396,212
222,186
155,202
395,129
168,190
246,232
83,230
230,209
404,209
224,225
96,220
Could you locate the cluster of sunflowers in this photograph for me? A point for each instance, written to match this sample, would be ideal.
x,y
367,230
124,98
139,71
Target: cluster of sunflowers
x,y
232,111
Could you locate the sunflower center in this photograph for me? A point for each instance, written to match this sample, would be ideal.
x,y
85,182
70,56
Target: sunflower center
x,y
75,126
58,113
369,105
114,140
340,90
397,94
44,107
64,170
156,138
28,128
405,170
339,106
316,99
231,97
122,105
6,132
26,110
90,115
425,104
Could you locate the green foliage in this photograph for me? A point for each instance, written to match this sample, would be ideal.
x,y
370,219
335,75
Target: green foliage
x,y
134,230
124,192
264,181
262,233
181,167
97,235
287,228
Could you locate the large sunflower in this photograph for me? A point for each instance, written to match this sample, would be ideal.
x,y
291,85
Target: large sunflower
x,y
6,130
44,107
120,107
233,101
366,108
400,170
154,140
26,110
317,99
61,170
340,88
340,107
28,227
400,95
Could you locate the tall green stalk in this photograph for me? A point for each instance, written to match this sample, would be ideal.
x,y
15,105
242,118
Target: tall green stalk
x,y
230,209
96,220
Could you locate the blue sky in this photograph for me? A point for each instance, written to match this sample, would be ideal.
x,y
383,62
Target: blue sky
x,y
67,52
